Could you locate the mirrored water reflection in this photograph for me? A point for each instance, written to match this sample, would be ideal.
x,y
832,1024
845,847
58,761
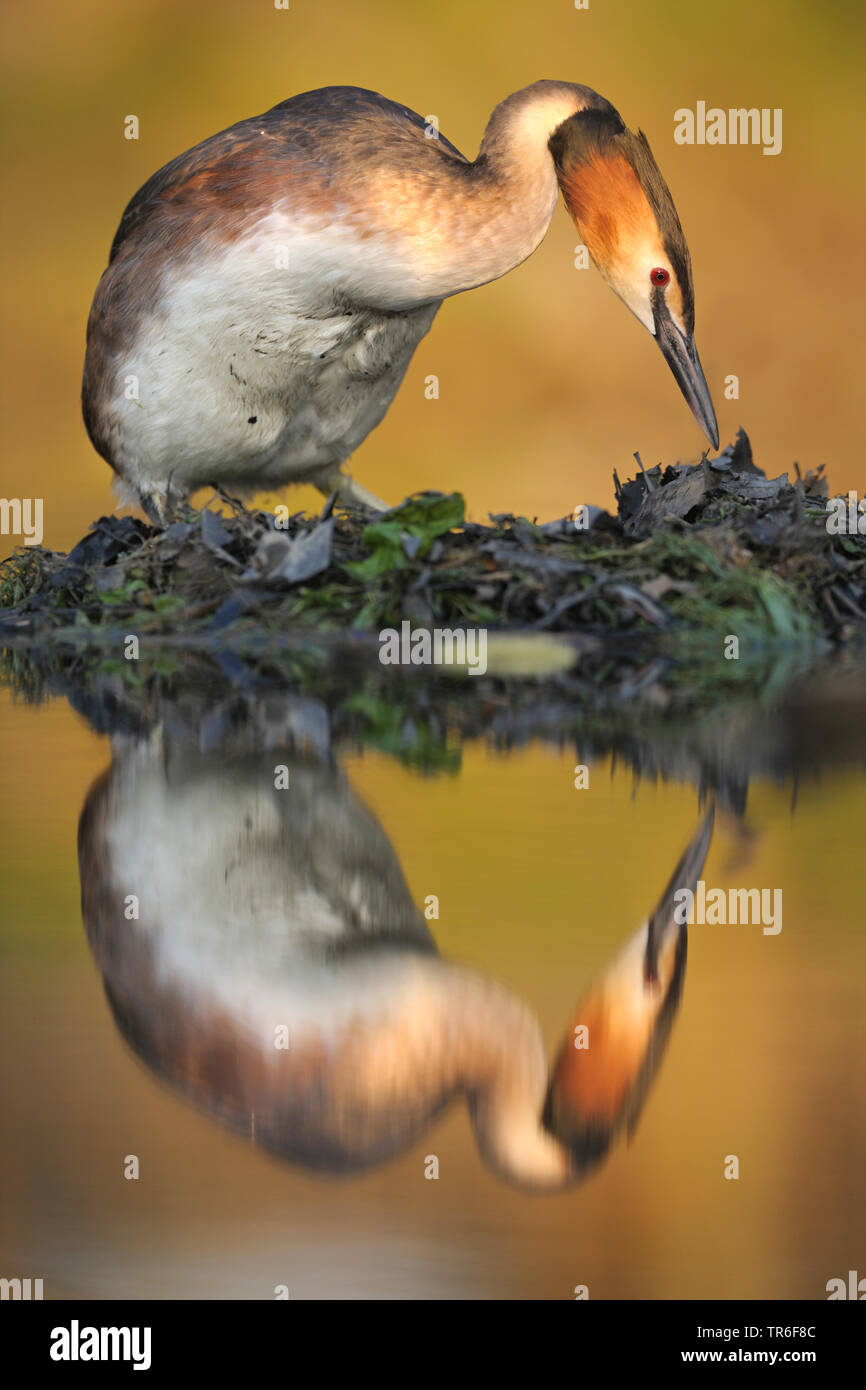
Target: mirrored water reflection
x,y
335,1001
261,951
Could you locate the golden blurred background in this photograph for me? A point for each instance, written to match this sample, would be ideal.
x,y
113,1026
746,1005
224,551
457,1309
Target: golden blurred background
x,y
546,382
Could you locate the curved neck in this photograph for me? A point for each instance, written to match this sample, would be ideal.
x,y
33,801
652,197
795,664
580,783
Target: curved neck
x,y
498,1052
450,1031
473,222
515,177
515,141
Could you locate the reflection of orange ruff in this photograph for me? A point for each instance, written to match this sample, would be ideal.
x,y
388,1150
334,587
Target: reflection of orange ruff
x,y
598,1070
605,1066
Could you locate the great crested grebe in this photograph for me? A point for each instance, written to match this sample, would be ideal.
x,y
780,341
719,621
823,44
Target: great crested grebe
x,y
266,289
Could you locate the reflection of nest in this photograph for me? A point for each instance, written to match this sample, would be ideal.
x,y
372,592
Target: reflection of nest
x,y
422,722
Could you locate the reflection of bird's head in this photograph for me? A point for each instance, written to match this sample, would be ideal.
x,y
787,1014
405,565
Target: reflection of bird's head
x,y
607,1062
608,1059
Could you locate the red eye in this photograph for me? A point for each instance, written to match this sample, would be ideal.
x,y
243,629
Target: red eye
x,y
660,276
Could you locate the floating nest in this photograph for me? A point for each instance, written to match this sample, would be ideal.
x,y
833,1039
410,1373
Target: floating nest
x,y
644,600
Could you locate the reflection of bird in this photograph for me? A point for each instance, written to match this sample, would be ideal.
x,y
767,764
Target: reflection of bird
x,y
266,289
262,910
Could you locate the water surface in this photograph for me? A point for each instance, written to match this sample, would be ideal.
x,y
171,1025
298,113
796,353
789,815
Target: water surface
x,y
539,884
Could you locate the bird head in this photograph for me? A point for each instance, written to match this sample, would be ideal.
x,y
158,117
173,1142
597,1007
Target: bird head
x,y
614,1046
626,217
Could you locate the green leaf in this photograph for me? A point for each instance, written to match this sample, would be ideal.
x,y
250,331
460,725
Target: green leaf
x,y
423,517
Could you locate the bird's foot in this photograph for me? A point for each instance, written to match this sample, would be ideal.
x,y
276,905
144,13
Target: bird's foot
x,y
350,493
234,502
157,506
161,504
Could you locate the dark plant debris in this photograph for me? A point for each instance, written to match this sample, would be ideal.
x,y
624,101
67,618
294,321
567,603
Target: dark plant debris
x,y
694,553
322,697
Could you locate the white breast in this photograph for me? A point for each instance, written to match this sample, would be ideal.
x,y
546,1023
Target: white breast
x,y
266,362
